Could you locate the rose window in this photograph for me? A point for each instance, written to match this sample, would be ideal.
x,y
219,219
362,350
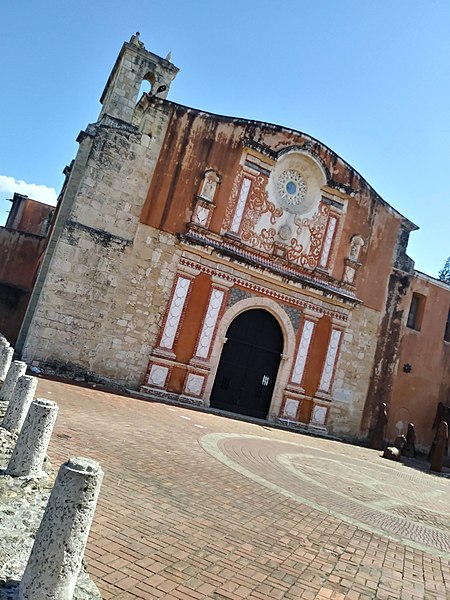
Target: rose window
x,y
291,188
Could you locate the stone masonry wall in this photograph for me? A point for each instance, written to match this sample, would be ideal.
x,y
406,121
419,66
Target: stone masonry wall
x,y
99,314
110,276
353,372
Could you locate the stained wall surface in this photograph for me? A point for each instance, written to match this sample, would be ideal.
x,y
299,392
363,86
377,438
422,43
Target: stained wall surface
x,y
423,370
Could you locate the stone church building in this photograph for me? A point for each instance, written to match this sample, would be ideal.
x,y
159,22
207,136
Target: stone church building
x,y
224,262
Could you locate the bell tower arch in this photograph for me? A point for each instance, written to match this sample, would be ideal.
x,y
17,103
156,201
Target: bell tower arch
x,y
134,65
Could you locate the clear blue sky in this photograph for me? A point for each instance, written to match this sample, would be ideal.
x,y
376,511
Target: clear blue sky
x,y
371,79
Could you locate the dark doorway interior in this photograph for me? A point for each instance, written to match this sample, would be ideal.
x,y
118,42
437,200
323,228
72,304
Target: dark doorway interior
x,y
249,364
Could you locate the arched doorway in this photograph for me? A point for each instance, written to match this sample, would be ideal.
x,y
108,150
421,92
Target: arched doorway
x,y
248,365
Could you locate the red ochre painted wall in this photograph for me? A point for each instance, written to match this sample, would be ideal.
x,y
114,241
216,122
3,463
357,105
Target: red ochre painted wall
x,y
28,215
196,141
185,343
19,259
22,244
416,394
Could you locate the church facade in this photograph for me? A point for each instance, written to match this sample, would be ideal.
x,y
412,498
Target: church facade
x,y
222,262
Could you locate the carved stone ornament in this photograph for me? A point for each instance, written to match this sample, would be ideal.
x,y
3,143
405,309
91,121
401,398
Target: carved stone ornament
x,y
211,180
291,190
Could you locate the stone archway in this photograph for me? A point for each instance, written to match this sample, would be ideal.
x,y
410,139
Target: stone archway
x,y
276,310
248,367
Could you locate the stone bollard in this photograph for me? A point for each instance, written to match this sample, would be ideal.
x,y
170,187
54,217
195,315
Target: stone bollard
x,y
6,356
16,370
20,403
58,549
29,453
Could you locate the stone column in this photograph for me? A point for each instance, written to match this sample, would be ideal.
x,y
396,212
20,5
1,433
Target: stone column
x,y
6,355
29,453
16,370
58,549
20,403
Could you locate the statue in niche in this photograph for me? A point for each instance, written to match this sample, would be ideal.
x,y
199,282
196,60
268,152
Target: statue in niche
x,y
378,432
356,244
210,181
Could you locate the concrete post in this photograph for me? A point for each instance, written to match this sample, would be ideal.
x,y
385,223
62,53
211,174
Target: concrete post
x,y
55,559
6,356
20,403
29,453
16,370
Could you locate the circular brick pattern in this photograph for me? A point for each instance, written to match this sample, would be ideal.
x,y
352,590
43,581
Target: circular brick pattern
x,y
377,495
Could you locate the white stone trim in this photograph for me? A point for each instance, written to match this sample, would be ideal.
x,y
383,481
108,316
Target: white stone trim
x,y
330,360
240,205
318,415
331,227
288,348
302,351
290,409
158,375
194,384
209,323
175,312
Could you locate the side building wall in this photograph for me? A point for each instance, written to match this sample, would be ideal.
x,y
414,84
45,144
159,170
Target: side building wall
x,y
422,370
20,253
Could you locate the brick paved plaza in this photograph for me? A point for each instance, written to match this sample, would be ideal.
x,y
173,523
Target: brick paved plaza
x,y
195,506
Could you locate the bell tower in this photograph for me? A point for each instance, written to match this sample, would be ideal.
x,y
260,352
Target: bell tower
x,y
134,65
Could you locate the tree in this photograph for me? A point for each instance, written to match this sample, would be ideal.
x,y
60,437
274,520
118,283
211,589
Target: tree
x,y
444,273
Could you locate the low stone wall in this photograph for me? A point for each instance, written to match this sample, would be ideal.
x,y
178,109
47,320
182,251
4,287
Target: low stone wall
x,y
22,504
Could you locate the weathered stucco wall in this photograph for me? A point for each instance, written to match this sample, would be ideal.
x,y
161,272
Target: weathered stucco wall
x,y
416,392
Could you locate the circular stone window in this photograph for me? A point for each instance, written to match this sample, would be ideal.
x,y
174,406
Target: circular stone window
x,y
291,189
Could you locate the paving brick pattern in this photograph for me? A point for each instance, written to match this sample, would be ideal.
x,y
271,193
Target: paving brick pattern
x,y
187,513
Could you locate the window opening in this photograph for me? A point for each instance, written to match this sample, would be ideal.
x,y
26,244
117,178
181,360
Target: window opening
x,y
447,328
416,311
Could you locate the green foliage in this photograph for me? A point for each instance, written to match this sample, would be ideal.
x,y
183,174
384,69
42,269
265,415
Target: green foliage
x,y
444,273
